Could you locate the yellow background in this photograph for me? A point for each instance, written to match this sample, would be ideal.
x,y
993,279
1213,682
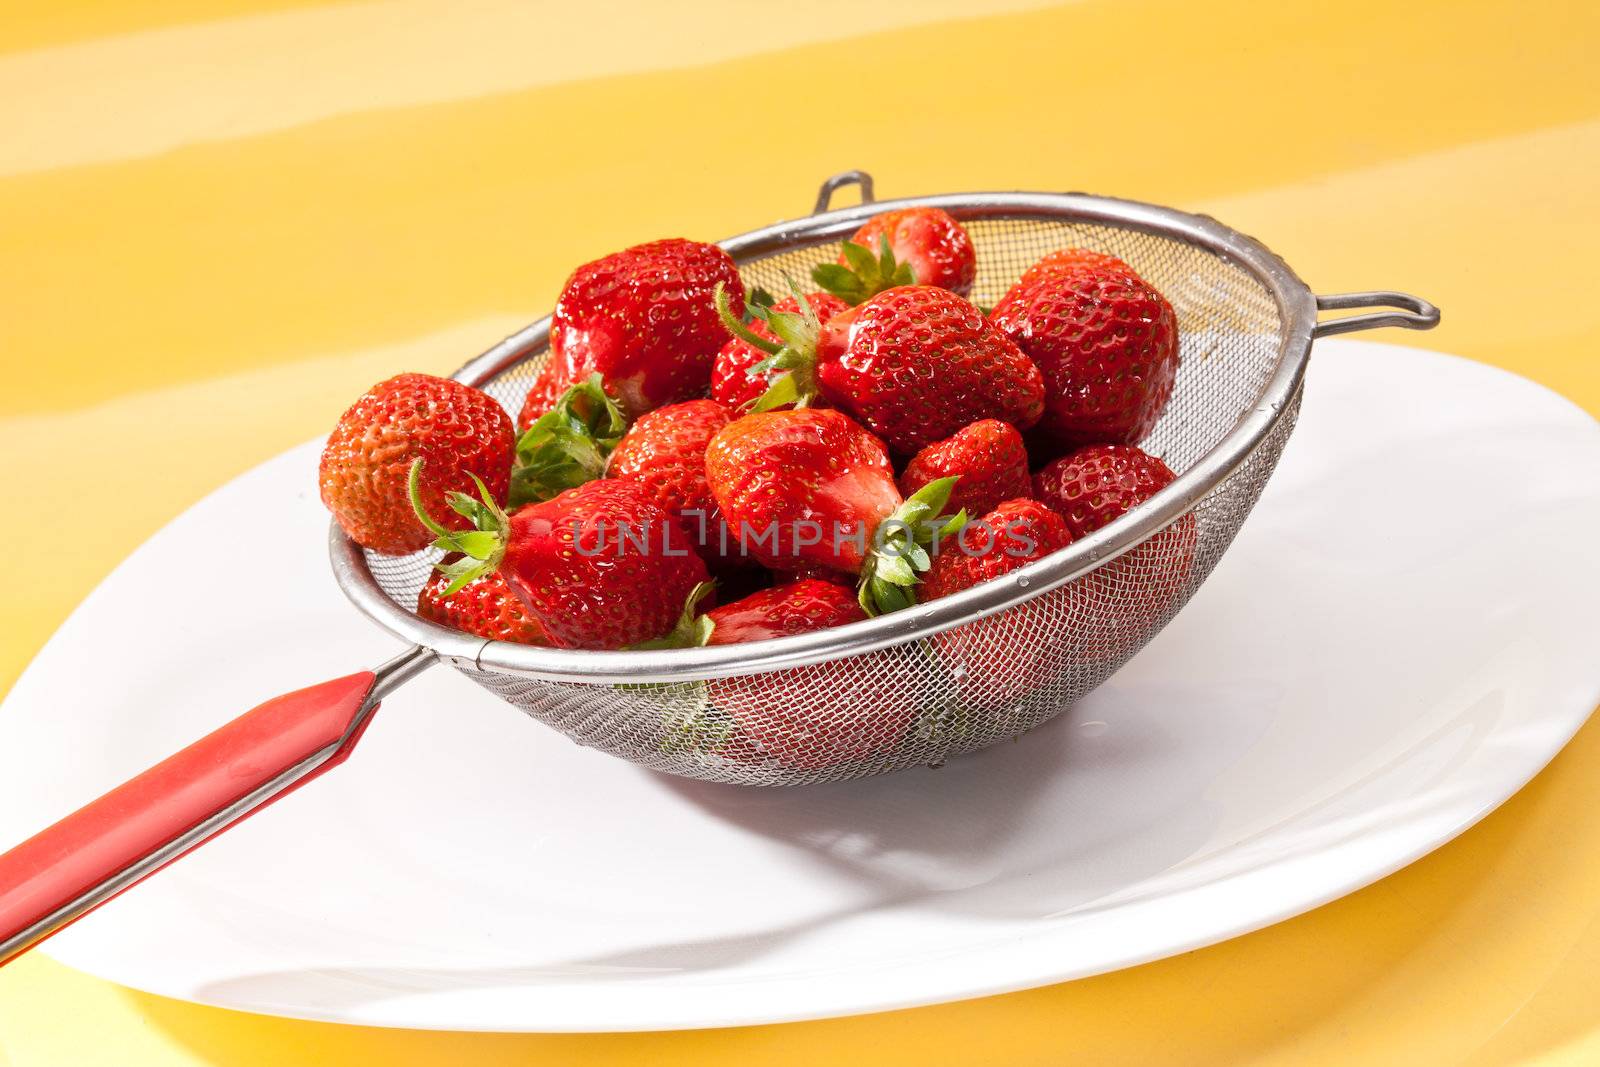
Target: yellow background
x,y
220,221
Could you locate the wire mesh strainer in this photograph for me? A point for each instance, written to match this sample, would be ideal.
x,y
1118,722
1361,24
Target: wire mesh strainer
x,y
906,689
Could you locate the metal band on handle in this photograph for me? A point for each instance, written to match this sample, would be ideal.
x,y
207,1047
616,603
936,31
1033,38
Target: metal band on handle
x,y
1418,314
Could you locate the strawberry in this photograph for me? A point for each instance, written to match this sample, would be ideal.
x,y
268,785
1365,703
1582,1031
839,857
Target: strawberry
x,y
989,459
484,606
568,444
1014,533
461,432
795,607
1073,259
918,363
732,380
999,661
1107,344
665,452
643,319
779,710
812,486
600,566
1095,486
548,385
1002,659
912,246
913,364
1098,484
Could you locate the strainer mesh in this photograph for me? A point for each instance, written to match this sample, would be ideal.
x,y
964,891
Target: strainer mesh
x,y
986,681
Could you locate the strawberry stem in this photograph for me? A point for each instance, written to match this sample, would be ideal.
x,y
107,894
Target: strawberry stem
x,y
793,356
719,297
900,548
481,547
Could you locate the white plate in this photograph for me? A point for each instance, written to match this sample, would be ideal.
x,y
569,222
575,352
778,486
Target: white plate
x,y
1404,633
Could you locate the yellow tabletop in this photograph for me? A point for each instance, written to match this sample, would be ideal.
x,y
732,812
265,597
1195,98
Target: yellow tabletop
x,y
219,221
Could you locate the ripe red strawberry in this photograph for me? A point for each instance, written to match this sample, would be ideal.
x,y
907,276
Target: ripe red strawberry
x,y
731,379
643,319
909,246
987,457
773,471
1107,344
548,385
1003,659
812,486
1098,484
918,363
913,364
816,717
601,566
460,431
484,606
1072,259
665,452
1014,533
1094,486
795,607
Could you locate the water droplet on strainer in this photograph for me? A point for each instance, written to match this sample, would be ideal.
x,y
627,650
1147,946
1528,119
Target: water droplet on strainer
x,y
1022,582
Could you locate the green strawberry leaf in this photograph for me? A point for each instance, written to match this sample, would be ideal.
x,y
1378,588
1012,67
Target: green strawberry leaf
x,y
863,275
889,573
797,354
699,727
692,630
862,261
481,548
782,391
567,445
839,280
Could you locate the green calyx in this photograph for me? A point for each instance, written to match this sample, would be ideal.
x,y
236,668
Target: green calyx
x,y
793,357
692,629
696,726
567,445
900,548
866,276
481,547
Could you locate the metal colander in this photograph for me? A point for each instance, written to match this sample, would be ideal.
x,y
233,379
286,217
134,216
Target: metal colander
x,y
986,665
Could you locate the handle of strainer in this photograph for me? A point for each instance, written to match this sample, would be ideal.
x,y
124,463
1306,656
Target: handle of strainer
x,y
840,181
1415,313
107,846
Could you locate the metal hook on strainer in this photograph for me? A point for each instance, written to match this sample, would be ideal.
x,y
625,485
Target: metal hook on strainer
x,y
974,669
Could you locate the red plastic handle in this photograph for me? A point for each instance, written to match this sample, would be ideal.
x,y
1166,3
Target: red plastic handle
x,y
67,870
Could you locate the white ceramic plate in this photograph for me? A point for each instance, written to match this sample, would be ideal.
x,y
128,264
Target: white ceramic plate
x,y
1404,633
